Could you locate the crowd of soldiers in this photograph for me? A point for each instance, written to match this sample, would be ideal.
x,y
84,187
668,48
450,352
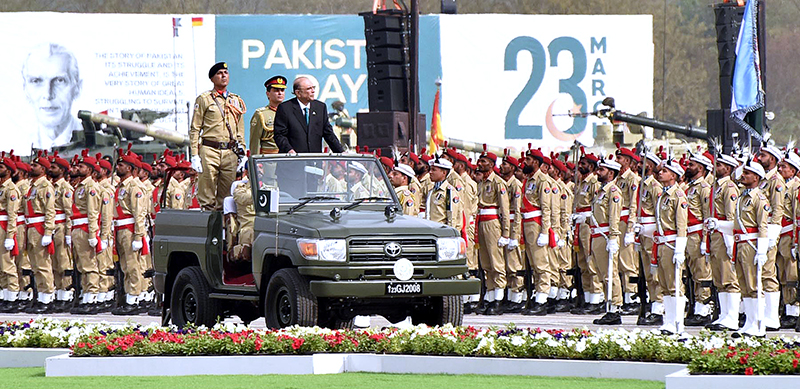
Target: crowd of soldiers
x,y
622,234
77,232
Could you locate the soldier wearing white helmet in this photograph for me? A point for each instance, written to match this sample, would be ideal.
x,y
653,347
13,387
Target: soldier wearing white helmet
x,y
785,259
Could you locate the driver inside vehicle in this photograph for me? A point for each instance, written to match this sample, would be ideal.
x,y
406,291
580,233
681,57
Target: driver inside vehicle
x,y
355,177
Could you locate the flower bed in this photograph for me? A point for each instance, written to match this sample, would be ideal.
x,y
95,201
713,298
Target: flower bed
x,y
707,353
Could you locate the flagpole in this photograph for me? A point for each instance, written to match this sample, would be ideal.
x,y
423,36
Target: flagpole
x,y
175,78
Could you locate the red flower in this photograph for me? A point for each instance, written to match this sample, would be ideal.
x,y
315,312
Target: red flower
x,y
111,347
748,371
794,363
81,345
742,360
297,343
258,343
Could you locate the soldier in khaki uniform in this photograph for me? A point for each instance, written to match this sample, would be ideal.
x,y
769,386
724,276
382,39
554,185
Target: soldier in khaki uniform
x,y
513,252
650,190
469,195
493,228
584,198
698,194
672,215
774,187
751,226
563,253
720,226
176,189
40,219
261,125
605,237
786,262
628,183
536,222
145,176
105,260
400,178
85,218
129,225
22,260
10,199
216,135
62,259
442,200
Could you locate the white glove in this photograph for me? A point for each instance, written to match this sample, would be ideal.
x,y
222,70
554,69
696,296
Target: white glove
x,y
512,244
542,240
136,245
711,224
93,242
577,219
680,250
703,250
196,164
629,239
502,242
637,228
773,233
761,251
68,240
9,243
240,167
653,268
561,243
46,240
612,246
103,245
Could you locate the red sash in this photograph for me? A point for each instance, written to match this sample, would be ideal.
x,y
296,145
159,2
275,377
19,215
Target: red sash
x,y
4,225
121,215
76,214
39,226
654,261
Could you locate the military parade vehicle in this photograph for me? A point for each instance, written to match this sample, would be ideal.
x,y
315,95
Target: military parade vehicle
x,y
330,242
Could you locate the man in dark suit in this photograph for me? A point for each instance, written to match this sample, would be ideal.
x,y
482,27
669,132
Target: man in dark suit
x,y
302,122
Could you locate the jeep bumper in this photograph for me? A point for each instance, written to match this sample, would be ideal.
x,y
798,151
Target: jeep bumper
x,y
357,288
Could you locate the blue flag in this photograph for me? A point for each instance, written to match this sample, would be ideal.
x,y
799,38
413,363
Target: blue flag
x,y
748,93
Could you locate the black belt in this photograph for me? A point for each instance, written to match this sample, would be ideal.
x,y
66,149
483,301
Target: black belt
x,y
218,145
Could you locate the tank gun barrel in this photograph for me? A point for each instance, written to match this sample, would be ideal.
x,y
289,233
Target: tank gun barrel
x,y
687,130
146,129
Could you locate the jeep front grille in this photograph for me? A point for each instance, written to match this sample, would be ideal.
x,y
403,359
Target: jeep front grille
x,y
372,249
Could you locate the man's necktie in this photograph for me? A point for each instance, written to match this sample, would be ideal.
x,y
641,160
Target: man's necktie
x,y
305,111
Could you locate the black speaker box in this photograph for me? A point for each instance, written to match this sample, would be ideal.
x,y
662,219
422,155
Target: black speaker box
x,y
382,130
387,94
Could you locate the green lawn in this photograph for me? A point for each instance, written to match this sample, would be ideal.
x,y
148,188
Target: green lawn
x,y
33,378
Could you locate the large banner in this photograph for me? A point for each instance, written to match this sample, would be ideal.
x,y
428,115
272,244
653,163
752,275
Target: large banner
x,y
517,84
329,49
59,63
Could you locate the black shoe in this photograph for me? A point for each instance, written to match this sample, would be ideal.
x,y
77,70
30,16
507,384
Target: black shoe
x,y
609,318
630,309
697,321
650,319
563,305
20,307
84,309
596,309
155,310
126,309
468,308
480,308
718,327
789,322
535,310
494,309
40,308
514,307
551,306
742,319
581,310
771,329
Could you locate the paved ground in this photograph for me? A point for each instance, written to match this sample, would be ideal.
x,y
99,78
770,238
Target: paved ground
x,y
557,321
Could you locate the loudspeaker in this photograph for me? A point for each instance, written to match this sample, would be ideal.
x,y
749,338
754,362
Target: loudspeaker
x,y
728,18
449,7
382,130
387,94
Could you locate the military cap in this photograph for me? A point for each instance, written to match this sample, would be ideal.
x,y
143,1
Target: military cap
x,y
217,67
277,82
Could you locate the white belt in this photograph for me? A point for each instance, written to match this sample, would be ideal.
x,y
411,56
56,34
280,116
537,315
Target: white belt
x,y
694,228
60,216
784,230
487,211
32,220
21,219
511,216
3,218
600,230
123,222
664,239
80,221
647,220
625,212
745,237
531,214
585,213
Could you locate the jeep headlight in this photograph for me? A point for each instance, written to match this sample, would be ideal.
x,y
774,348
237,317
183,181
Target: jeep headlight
x,y
334,250
451,249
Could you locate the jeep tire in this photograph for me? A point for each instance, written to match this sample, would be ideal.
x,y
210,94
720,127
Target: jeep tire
x,y
288,301
190,302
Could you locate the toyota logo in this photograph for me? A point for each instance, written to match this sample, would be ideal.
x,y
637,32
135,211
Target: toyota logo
x,y
392,249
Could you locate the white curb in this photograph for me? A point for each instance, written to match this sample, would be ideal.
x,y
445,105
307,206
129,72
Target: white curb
x,y
64,365
27,357
683,380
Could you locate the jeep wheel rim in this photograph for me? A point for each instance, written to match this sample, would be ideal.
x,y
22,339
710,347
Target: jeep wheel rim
x,y
189,305
284,307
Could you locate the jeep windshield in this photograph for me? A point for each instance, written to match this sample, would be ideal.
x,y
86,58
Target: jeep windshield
x,y
330,180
